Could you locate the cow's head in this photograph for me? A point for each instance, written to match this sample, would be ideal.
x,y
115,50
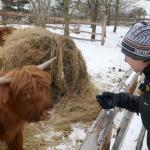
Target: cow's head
x,y
29,92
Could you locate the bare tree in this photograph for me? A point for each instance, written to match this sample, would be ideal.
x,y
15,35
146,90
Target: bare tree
x,y
94,18
117,3
66,17
107,4
69,9
91,6
14,5
138,13
119,6
40,9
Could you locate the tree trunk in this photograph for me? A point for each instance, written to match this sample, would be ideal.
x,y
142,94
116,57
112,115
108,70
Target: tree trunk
x,y
94,19
116,15
108,20
90,6
66,18
108,15
39,14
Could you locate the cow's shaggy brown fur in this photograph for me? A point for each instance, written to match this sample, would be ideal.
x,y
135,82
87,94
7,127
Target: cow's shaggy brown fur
x,y
25,99
4,32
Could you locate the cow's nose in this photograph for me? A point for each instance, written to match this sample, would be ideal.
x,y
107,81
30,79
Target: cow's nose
x,y
51,112
47,114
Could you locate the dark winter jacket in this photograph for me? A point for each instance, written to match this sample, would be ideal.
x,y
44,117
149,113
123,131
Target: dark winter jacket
x,y
140,104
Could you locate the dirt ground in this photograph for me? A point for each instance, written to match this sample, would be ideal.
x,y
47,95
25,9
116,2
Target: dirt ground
x,y
36,137
42,136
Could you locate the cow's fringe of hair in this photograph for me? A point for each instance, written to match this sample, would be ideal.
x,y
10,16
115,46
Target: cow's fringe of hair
x,y
27,77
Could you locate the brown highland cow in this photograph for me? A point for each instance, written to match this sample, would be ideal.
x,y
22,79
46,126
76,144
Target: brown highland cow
x,y
24,97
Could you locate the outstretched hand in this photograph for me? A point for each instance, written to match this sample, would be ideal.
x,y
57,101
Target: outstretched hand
x,y
107,100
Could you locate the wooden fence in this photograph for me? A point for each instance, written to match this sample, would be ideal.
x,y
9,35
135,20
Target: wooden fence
x,y
101,130
61,21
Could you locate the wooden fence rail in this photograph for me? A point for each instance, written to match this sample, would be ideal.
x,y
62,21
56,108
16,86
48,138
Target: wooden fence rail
x,y
72,30
141,138
50,19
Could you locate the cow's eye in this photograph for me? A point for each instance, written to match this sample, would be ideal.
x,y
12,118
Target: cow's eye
x,y
38,84
40,87
27,93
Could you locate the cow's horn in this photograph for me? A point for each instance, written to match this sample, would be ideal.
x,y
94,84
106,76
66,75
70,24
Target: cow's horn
x,y
5,80
46,64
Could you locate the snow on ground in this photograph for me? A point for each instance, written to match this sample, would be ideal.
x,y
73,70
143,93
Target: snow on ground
x,y
106,67
74,139
104,62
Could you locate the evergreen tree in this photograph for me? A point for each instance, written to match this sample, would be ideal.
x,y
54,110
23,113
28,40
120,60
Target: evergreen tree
x,y
7,5
14,5
59,4
19,5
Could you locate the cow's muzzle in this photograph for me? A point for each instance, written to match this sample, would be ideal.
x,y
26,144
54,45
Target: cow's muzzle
x,y
47,114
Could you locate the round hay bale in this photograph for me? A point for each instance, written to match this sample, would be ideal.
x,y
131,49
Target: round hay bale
x,y
35,46
70,84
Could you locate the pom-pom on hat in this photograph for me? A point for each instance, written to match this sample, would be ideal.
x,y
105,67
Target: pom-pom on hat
x,y
136,42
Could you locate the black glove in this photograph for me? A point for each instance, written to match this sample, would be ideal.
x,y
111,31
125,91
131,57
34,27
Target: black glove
x,y
108,100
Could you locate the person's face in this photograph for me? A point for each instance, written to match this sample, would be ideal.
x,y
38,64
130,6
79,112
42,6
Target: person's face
x,y
137,65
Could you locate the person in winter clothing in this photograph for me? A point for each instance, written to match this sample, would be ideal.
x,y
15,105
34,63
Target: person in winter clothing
x,y
136,47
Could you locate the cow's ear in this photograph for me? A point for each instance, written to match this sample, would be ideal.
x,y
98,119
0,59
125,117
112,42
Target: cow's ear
x,y
4,93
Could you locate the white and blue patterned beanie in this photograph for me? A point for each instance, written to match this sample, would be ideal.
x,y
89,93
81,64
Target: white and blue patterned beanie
x,y
136,42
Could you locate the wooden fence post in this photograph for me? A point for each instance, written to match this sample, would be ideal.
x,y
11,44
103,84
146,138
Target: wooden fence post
x,y
103,30
123,130
124,122
141,138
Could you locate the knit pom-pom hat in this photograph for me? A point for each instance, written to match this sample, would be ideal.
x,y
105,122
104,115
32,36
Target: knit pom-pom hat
x,y
136,42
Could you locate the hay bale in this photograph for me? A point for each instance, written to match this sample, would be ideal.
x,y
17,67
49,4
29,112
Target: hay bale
x,y
36,45
71,84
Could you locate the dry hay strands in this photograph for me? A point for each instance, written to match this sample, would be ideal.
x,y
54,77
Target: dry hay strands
x,y
75,71
75,108
70,73
25,46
